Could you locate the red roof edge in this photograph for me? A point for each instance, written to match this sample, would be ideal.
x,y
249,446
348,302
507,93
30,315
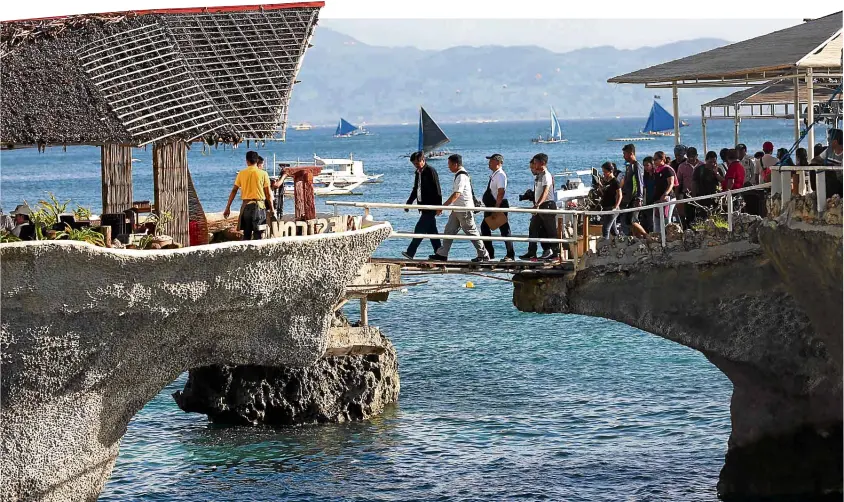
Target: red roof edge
x,y
190,10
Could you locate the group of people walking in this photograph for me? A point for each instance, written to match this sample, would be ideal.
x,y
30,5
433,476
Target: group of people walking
x,y
427,192
659,178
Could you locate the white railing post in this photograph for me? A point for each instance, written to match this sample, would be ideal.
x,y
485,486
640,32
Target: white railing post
x,y
662,223
785,181
820,189
574,236
730,210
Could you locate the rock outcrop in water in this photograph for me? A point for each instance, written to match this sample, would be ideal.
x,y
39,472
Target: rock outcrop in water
x,y
89,335
334,389
765,309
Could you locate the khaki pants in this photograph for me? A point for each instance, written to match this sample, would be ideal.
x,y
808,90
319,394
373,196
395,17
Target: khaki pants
x,y
456,221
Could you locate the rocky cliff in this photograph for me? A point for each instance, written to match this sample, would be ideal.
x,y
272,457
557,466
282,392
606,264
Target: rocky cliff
x,y
332,390
89,335
764,306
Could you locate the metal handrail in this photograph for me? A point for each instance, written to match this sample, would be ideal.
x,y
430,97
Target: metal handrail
x,y
388,205
557,212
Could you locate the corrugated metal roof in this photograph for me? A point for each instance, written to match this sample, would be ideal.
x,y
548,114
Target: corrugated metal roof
x,y
774,93
771,54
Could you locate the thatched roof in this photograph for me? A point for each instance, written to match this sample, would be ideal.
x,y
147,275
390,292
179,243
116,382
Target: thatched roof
x,y
815,44
217,74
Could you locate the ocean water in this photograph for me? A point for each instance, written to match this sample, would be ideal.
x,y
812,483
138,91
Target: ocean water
x,y
495,404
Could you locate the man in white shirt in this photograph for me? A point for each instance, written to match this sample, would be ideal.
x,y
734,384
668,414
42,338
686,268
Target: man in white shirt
x,y
747,161
462,195
494,197
765,163
542,225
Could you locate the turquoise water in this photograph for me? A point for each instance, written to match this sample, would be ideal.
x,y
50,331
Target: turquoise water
x,y
495,404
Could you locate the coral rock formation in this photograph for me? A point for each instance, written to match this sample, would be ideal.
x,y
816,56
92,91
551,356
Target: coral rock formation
x,y
763,304
334,389
89,335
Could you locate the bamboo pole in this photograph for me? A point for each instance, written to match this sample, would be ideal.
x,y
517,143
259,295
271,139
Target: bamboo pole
x,y
171,187
116,162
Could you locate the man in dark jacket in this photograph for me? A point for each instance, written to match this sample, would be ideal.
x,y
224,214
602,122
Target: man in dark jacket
x,y
426,192
632,191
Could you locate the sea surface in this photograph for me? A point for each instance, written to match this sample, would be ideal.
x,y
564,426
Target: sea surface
x,y
495,404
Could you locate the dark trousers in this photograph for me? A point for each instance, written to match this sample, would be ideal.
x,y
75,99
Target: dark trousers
x,y
252,218
544,226
505,232
427,224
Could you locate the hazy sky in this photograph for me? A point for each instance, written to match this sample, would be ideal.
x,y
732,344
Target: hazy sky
x,y
558,35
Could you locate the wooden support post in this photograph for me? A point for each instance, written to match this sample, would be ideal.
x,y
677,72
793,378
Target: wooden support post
x,y
303,191
703,129
810,118
364,313
736,123
676,99
116,162
171,187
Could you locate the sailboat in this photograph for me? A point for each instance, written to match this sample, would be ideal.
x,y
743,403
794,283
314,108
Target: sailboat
x,y
346,129
431,137
660,122
556,135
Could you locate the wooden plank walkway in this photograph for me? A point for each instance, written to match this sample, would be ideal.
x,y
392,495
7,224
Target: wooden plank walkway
x,y
495,267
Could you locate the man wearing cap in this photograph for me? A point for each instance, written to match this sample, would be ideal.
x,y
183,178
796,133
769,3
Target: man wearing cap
x,y
767,161
462,195
747,161
494,197
544,197
679,156
685,180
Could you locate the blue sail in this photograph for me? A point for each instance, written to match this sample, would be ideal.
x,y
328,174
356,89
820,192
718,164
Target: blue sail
x,y
344,128
556,130
659,120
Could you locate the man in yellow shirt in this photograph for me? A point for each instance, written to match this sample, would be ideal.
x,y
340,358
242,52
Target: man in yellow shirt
x,y
254,186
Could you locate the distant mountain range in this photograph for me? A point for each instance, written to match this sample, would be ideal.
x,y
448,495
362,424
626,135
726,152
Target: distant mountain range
x,y
341,76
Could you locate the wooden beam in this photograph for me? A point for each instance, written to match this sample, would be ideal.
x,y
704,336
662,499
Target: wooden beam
x,y
116,162
171,187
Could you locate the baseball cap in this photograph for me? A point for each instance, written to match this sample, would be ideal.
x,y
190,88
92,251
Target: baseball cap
x,y
496,156
768,146
679,150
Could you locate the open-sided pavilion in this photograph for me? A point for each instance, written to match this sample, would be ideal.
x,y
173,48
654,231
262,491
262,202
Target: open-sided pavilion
x,y
799,56
165,78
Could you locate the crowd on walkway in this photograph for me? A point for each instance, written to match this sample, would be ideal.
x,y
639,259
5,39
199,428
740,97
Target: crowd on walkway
x,y
427,191
656,178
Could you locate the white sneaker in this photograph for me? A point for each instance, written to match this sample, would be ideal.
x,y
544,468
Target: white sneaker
x,y
406,255
546,254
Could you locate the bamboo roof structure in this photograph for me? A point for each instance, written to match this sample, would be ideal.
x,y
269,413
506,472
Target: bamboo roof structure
x,y
217,74
814,44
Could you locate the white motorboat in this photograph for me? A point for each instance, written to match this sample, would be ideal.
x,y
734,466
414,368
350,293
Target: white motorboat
x,y
340,172
329,189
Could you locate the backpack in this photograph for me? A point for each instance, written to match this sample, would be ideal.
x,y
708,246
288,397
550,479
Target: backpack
x,y
475,200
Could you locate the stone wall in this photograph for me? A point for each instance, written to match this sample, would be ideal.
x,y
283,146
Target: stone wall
x,y
764,306
89,335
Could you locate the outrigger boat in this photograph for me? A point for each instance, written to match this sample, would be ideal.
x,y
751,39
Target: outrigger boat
x,y
556,135
346,129
431,137
660,124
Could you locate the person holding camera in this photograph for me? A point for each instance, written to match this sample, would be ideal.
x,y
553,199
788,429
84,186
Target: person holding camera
x,y
494,197
542,225
426,192
462,195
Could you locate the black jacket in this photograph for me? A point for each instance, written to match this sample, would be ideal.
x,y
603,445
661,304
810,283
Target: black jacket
x,y
431,192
